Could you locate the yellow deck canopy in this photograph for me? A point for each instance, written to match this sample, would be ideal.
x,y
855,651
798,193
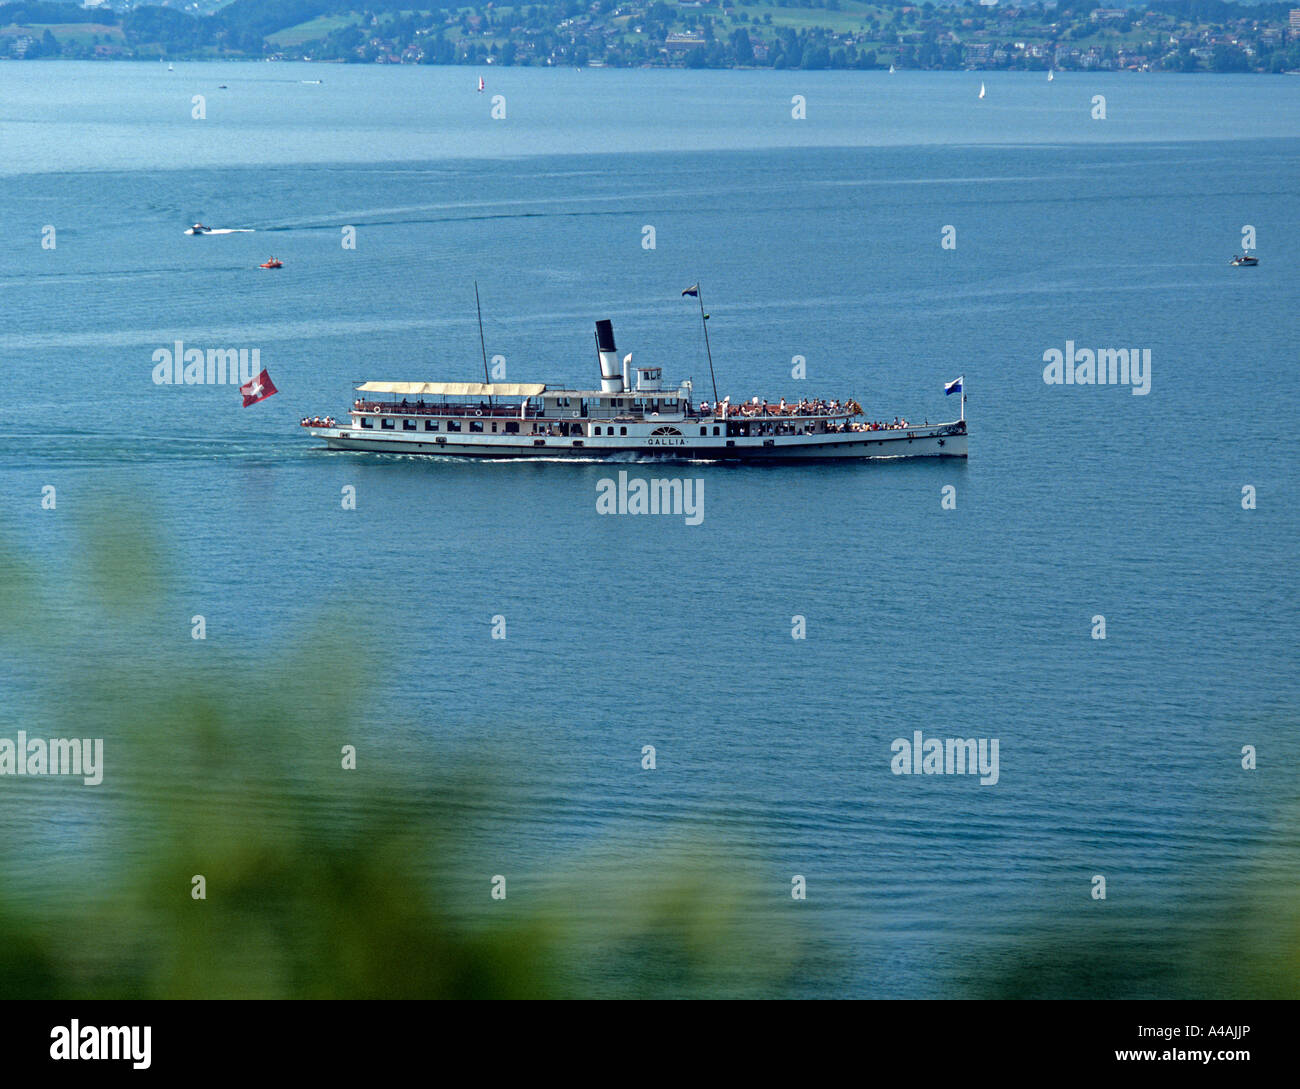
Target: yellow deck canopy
x,y
455,389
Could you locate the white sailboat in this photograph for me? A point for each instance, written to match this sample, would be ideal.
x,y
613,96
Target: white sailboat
x,y
1050,75
891,69
981,90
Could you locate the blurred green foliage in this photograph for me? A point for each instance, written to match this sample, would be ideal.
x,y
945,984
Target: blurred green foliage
x,y
320,882
374,882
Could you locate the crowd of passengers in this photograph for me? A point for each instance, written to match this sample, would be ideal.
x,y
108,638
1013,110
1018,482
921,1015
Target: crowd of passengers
x,y
723,409
755,407
816,407
318,421
880,425
781,428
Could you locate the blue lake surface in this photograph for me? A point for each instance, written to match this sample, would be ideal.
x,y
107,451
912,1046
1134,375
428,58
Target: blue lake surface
x,y
817,238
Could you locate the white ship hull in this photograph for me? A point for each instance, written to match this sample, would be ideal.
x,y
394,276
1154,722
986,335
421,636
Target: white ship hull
x,y
940,440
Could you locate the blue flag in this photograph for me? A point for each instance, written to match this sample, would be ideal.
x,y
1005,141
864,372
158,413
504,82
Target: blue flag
x,y
953,387
694,289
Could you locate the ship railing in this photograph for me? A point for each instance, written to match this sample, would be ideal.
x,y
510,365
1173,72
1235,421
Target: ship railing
x,y
430,408
768,412
776,412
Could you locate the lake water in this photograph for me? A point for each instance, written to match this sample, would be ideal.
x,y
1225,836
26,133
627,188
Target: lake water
x,y
818,238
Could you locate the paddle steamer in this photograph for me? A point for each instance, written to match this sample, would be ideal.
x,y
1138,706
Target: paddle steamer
x,y
638,419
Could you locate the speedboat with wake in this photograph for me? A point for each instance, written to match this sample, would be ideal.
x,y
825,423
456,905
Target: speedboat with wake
x,y
1244,261
199,228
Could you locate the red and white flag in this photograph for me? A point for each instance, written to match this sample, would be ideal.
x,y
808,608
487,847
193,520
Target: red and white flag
x,y
259,389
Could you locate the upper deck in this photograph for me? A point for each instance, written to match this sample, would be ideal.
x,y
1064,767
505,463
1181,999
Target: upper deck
x,y
521,403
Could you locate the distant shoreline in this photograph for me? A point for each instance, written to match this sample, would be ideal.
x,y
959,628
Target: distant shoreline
x,y
630,67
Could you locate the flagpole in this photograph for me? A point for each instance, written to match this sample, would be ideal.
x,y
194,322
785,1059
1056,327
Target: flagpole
x,y
481,342
704,324
963,398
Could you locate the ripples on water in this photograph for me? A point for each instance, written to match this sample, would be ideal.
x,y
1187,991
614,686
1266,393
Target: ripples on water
x,y
1117,757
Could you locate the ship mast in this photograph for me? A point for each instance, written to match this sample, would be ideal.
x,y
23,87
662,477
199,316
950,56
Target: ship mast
x,y
704,324
487,381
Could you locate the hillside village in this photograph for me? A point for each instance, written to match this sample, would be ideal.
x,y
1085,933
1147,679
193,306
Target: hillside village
x,y
1167,35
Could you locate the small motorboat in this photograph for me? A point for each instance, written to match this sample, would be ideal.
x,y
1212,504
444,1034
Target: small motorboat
x,y
1244,261
198,228
272,263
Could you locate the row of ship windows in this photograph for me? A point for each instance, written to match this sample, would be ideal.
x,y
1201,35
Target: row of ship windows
x,y
386,424
476,426
623,431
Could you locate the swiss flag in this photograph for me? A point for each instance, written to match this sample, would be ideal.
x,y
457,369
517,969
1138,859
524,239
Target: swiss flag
x,y
259,389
